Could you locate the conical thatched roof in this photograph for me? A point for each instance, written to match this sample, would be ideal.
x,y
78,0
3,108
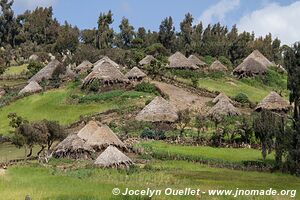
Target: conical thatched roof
x,y
256,55
179,61
250,67
32,87
273,102
113,157
106,72
147,60
194,59
221,97
99,137
84,66
103,60
135,73
69,74
73,147
46,73
158,110
218,66
223,108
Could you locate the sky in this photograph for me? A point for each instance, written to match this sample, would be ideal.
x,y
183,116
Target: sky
x,y
279,17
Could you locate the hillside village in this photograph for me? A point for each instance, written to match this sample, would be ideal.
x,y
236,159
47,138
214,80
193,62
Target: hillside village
x,y
154,114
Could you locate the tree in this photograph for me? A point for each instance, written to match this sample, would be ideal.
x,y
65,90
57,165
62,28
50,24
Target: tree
x,y
105,34
166,34
68,39
292,62
127,33
185,35
184,119
34,67
200,123
55,132
88,36
197,38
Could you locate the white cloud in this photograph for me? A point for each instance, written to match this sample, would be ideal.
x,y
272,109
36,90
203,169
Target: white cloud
x,y
218,11
32,4
281,21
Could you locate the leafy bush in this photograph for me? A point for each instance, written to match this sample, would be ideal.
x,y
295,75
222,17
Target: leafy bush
x,y
152,134
94,86
225,61
33,67
146,87
242,98
156,49
208,59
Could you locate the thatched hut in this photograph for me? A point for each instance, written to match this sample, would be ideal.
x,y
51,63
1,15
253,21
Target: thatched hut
x,y
104,60
32,87
222,109
256,55
217,66
84,67
135,74
158,110
69,74
221,97
147,60
106,73
45,73
194,59
273,102
100,137
179,61
73,147
113,157
250,67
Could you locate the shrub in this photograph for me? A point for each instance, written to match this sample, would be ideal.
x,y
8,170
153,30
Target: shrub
x,y
94,86
208,59
242,98
33,67
146,87
225,61
152,134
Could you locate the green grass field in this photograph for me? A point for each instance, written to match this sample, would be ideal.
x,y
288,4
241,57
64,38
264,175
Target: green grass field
x,y
16,70
53,105
163,150
86,183
9,152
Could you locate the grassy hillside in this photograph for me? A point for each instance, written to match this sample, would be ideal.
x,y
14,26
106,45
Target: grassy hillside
x,y
93,183
16,70
54,105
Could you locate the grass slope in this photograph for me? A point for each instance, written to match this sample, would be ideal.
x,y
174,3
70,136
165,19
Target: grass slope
x,y
94,184
15,70
203,153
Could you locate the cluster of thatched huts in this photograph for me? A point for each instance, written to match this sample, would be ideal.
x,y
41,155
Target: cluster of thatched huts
x,y
94,139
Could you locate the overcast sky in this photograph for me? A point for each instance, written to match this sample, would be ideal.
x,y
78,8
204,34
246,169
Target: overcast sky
x,y
261,16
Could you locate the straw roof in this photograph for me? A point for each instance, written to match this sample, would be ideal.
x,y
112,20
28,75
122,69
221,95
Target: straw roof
x,y
179,61
84,66
147,60
45,73
106,72
32,87
73,147
34,57
221,97
250,66
223,108
99,137
273,102
112,157
218,66
256,55
158,110
135,73
69,74
103,60
194,59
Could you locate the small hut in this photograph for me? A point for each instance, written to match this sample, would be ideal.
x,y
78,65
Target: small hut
x,y
250,67
217,66
221,97
256,55
147,60
32,87
84,67
100,137
179,61
194,59
107,73
73,147
45,73
69,74
135,74
158,110
222,109
113,157
273,102
105,59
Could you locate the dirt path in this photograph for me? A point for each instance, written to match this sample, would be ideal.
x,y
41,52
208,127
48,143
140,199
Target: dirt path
x,y
182,99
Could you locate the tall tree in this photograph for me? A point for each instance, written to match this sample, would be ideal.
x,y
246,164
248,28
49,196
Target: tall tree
x,y
68,39
8,25
105,34
185,35
197,38
88,36
127,33
166,34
